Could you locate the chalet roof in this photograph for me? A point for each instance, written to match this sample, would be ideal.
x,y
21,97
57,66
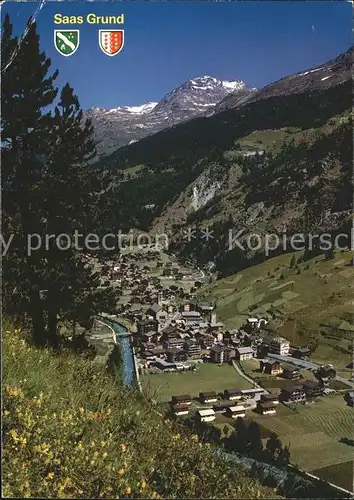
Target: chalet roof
x,y
182,407
206,413
211,394
174,350
244,350
290,368
292,388
143,322
279,340
266,404
269,397
232,391
255,390
174,341
237,408
182,397
191,342
271,362
148,345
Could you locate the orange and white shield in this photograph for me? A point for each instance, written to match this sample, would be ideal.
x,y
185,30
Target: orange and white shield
x,y
111,41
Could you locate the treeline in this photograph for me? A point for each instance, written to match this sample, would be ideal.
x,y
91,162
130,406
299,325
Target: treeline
x,y
49,188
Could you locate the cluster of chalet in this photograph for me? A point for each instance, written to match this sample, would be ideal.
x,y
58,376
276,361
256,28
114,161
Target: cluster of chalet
x,y
194,332
169,336
307,389
143,289
229,406
300,390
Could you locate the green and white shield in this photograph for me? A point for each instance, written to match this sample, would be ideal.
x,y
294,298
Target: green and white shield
x,y
66,41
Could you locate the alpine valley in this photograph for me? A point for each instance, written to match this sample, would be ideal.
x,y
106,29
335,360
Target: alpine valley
x,y
274,159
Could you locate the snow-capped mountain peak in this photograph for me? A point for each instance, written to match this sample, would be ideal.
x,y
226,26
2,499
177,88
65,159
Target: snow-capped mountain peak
x,y
139,110
119,126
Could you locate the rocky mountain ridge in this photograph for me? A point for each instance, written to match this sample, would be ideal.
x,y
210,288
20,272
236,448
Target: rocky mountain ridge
x,y
124,125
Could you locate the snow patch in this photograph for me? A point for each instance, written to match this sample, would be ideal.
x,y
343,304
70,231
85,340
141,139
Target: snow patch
x,y
233,85
325,78
139,110
308,72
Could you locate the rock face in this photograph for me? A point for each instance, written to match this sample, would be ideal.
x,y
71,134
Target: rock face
x,y
127,124
203,191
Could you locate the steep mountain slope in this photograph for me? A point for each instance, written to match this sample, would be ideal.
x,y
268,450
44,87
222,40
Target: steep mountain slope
x,y
200,173
123,125
326,75
319,292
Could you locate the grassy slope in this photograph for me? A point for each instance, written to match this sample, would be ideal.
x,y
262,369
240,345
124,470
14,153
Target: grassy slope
x,y
320,299
313,431
71,431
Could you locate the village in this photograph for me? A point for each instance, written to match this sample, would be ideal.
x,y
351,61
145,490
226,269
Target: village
x,y
179,344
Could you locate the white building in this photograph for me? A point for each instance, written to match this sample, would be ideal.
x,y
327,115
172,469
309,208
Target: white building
x,y
236,411
280,346
181,410
244,353
257,322
206,415
267,408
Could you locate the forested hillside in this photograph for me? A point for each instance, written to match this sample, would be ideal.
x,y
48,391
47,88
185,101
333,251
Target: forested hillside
x,y
297,180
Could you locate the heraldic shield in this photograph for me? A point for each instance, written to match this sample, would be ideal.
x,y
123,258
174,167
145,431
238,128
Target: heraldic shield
x,y
111,41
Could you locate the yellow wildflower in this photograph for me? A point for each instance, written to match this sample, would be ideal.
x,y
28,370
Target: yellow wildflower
x,y
13,434
121,472
128,490
50,475
105,454
143,484
123,447
195,438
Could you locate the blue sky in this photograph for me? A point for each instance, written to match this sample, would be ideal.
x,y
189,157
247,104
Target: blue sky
x,y
168,43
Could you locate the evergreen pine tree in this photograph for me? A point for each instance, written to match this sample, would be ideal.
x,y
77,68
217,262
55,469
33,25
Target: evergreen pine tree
x,y
71,199
26,90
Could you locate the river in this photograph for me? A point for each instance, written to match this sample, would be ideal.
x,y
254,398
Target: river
x,y
126,351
